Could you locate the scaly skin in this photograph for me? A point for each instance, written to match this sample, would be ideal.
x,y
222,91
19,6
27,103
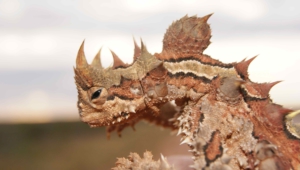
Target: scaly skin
x,y
228,121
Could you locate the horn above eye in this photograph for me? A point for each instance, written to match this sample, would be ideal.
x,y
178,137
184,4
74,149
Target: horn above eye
x,y
81,60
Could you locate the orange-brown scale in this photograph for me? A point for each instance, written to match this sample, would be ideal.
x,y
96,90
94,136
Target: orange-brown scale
x,y
155,88
189,34
268,121
190,82
213,149
272,129
156,81
213,89
124,89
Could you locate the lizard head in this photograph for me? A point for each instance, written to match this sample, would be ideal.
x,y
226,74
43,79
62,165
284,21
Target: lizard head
x,y
111,95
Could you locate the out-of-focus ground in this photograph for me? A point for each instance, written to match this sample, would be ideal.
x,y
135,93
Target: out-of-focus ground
x,y
73,145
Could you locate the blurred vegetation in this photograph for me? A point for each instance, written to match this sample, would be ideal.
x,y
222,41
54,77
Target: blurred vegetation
x,y
73,145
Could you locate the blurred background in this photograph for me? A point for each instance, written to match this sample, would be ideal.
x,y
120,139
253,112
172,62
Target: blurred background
x,y
39,40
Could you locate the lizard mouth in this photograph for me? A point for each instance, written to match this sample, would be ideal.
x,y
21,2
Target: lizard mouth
x,y
121,117
118,118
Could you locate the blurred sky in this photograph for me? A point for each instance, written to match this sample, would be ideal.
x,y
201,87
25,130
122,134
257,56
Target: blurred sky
x,y
39,40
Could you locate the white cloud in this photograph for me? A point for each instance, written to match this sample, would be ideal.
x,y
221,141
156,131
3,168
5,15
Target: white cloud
x,y
10,9
240,9
128,10
12,45
41,44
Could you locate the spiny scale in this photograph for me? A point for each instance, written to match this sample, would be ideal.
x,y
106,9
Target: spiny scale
x,y
228,121
242,68
97,60
81,60
265,88
117,61
137,51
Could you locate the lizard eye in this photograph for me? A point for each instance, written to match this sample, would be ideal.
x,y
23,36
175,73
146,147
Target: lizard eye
x,y
96,94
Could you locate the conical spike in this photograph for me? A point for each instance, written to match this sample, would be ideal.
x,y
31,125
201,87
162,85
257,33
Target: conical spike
x,y
164,163
194,16
186,140
206,17
81,60
97,60
179,131
242,68
268,86
143,46
117,61
285,111
265,88
137,51
185,17
250,60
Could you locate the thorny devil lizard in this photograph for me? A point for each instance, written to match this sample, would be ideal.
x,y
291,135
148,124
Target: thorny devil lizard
x,y
228,121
